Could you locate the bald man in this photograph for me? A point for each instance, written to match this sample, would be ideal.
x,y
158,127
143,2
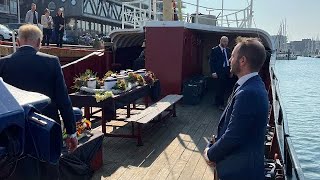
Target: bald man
x,y
34,71
220,69
238,150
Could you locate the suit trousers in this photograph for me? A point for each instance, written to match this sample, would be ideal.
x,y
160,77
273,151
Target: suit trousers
x,y
46,36
222,85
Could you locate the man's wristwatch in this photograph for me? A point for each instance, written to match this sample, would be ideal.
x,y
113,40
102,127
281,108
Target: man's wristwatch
x,y
72,135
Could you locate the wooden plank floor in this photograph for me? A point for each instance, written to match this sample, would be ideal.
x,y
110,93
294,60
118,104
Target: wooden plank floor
x,y
172,150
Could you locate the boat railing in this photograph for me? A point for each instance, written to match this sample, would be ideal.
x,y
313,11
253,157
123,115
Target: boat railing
x,y
291,162
136,13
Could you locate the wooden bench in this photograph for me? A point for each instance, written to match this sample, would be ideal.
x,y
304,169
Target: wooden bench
x,y
152,112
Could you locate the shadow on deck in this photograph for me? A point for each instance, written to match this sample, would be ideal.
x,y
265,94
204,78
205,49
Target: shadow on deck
x,y
172,150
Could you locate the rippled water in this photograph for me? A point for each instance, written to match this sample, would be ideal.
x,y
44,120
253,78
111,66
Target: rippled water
x,y
300,92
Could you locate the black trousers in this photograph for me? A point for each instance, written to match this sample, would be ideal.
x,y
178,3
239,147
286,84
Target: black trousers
x,y
46,36
223,83
59,36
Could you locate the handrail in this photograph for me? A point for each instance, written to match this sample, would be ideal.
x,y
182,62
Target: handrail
x,y
291,161
241,18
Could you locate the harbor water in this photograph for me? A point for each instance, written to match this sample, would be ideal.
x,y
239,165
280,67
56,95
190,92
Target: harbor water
x,y
299,82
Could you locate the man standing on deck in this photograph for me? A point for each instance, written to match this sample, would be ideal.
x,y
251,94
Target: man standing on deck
x,y
31,70
238,150
220,69
32,15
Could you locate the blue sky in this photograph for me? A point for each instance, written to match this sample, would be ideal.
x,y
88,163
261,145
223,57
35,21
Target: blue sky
x,y
302,15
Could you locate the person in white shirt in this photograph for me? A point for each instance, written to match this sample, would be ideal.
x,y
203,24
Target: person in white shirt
x,y
32,15
46,22
220,69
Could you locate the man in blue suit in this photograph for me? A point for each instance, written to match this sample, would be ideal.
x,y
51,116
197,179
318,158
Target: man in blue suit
x,y
31,70
238,151
220,69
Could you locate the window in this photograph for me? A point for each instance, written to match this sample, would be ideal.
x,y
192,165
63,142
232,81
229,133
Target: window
x,y
13,7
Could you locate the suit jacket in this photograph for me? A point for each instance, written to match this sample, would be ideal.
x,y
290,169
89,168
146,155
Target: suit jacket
x,y
239,148
34,71
29,17
57,21
216,61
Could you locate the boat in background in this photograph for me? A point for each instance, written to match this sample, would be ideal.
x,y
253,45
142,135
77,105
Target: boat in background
x,y
286,56
283,52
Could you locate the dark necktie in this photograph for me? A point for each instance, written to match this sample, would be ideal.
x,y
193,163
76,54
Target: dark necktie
x,y
233,91
35,21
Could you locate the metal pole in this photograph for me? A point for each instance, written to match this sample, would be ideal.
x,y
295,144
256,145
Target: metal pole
x,y
154,9
122,16
150,10
251,14
14,41
134,18
222,13
140,11
18,8
197,13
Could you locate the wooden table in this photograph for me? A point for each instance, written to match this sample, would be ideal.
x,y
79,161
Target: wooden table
x,y
110,105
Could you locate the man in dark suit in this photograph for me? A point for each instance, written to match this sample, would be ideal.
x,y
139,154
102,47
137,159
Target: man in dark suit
x,y
31,70
220,69
238,151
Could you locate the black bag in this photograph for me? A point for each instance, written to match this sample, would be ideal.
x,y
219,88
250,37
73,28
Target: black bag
x,y
194,89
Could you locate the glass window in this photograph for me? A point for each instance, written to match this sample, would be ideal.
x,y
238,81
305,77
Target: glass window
x,y
13,7
99,28
87,25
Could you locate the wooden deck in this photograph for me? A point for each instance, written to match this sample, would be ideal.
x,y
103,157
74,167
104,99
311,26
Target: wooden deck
x,y
172,150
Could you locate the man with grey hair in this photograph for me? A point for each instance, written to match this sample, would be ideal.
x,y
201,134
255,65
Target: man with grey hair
x,y
220,69
31,70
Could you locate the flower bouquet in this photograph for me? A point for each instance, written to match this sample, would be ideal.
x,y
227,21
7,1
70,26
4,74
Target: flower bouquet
x,y
83,129
120,86
132,80
150,78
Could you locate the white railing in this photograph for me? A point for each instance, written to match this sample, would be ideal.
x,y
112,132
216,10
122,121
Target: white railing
x,y
136,13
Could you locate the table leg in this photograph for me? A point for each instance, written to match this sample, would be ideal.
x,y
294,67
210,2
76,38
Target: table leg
x,y
134,105
139,135
132,128
128,110
87,113
103,121
146,101
174,110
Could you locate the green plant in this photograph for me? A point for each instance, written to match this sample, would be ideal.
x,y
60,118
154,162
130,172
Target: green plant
x,y
100,96
140,80
82,79
132,77
108,74
121,85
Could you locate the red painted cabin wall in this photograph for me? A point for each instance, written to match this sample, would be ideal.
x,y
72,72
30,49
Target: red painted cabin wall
x,y
172,54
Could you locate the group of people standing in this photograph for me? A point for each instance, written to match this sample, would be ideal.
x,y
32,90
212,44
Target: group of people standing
x,y
48,24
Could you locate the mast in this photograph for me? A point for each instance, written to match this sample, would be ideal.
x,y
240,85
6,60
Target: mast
x,y
251,14
167,10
